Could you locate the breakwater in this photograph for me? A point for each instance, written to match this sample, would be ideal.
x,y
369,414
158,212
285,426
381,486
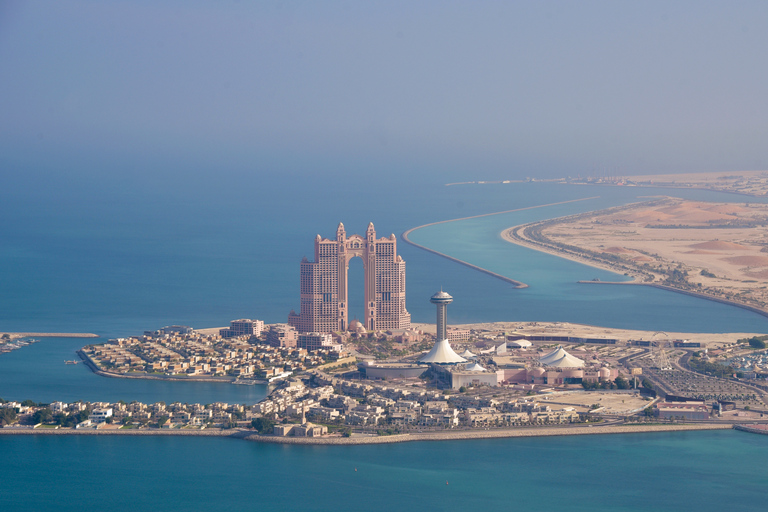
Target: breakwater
x,y
14,335
754,429
517,284
249,435
488,434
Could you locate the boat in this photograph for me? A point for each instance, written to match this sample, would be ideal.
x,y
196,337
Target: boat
x,y
71,362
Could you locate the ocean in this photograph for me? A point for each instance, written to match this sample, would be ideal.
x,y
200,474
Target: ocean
x,y
117,257
702,471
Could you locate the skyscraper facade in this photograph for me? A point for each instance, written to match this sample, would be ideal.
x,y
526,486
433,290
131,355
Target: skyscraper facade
x,y
324,292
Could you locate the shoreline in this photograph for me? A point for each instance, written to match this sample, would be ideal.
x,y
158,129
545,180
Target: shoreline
x,y
489,434
511,235
123,432
16,335
103,373
517,284
249,435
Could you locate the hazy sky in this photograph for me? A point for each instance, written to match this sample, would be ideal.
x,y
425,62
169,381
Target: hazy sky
x,y
472,89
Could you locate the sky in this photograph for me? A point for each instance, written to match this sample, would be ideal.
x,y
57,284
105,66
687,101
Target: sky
x,y
459,89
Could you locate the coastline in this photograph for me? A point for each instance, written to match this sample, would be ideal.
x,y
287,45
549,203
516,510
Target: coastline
x,y
122,432
511,235
16,335
249,435
95,369
517,284
489,434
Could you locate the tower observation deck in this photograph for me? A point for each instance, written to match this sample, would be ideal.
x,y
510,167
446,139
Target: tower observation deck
x,y
441,299
441,352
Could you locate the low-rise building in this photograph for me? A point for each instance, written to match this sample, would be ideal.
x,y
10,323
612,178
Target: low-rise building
x,y
100,415
243,327
682,410
282,335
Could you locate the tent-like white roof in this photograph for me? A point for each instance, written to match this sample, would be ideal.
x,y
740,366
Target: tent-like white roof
x,y
519,343
442,353
467,354
560,358
474,368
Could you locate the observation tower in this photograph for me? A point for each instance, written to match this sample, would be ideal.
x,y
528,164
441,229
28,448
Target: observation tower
x,y
441,352
441,300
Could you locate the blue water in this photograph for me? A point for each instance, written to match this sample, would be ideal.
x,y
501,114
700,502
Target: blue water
x,y
38,372
116,256
554,293
700,471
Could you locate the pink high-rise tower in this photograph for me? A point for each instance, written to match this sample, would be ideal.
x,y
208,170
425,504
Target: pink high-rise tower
x,y
324,293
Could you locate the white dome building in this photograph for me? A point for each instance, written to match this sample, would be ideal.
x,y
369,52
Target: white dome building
x,y
561,359
474,367
442,353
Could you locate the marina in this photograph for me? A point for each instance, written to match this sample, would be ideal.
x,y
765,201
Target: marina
x,y
10,346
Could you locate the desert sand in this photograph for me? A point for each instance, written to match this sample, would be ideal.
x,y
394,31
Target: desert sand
x,y
719,250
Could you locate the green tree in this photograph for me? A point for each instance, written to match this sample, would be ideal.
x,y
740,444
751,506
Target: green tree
x,y
263,425
42,416
756,342
7,416
621,382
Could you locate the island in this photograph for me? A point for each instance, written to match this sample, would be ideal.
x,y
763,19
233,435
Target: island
x,y
631,381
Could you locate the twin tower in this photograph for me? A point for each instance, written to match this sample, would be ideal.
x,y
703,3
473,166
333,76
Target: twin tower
x,y
324,293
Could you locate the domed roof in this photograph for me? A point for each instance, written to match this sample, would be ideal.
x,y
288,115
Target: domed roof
x,y
441,296
356,326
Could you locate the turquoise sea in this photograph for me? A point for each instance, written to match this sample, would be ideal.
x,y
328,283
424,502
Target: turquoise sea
x,y
116,257
702,471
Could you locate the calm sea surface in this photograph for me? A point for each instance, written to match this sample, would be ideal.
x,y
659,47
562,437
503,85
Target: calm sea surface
x,y
116,258
702,471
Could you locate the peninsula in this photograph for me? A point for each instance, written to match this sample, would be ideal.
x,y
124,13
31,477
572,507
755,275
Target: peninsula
x,y
714,250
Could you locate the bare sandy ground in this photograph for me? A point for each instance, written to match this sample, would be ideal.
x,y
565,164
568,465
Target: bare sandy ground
x,y
594,331
721,249
742,182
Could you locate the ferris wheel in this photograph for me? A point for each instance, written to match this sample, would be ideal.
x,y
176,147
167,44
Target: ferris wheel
x,y
659,344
